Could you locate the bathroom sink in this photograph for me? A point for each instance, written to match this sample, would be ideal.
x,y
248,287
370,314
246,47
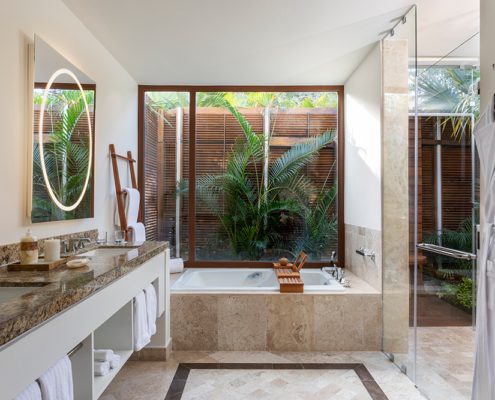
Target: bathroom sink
x,y
104,253
11,293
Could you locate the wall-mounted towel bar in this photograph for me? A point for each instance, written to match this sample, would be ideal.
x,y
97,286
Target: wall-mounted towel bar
x,y
75,350
361,252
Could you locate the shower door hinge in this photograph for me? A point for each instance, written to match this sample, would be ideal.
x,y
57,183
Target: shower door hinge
x,y
404,369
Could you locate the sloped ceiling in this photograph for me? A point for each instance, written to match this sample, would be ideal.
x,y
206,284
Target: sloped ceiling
x,y
262,41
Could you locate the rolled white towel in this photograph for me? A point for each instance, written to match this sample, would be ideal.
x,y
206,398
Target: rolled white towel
x,y
32,392
176,265
102,368
103,355
115,361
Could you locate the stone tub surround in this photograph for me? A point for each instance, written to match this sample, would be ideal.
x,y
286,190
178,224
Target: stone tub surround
x,y
364,267
268,321
62,287
13,250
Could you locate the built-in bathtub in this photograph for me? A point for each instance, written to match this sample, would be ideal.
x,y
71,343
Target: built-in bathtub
x,y
235,280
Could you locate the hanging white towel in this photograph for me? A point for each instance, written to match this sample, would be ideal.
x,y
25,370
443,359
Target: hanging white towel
x,y
131,206
32,392
176,265
115,361
103,355
56,383
141,331
138,232
101,368
150,294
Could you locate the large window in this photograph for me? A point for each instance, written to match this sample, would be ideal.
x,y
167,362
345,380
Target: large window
x,y
266,166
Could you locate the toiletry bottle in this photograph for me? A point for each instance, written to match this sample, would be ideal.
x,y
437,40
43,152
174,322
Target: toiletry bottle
x,y
29,248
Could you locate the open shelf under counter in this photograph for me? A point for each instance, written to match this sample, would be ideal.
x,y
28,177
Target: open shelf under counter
x,y
101,382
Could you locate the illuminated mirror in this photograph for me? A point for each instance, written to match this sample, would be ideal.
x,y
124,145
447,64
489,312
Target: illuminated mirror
x,y
61,138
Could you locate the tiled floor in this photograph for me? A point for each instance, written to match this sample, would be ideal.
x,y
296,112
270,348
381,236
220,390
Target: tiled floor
x,y
151,380
445,361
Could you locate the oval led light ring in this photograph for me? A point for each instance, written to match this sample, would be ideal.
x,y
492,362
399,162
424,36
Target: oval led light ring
x,y
40,138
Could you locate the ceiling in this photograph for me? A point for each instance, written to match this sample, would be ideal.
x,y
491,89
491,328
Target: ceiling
x,y
262,41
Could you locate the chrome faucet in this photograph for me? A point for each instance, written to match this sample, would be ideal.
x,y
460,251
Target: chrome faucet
x,y
332,270
78,243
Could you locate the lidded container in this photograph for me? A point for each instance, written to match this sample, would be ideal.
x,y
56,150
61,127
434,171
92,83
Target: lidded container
x,y
29,248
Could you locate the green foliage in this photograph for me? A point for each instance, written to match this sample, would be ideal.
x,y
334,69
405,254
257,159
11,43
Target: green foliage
x,y
461,293
449,91
252,208
66,156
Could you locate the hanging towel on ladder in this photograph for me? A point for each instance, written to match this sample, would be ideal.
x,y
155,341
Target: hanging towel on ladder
x,y
484,355
131,206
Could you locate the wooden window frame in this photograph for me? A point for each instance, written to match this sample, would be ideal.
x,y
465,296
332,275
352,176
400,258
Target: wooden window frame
x,y
193,90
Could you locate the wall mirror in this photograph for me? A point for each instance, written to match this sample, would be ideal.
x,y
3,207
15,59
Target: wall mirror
x,y
61,137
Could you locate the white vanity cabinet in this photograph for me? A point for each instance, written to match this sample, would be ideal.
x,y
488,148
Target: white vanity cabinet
x,y
101,320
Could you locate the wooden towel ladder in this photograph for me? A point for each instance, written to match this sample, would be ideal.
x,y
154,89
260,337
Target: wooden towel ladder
x,y
118,188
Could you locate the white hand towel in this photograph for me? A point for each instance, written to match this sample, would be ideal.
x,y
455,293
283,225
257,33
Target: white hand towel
x,y
102,368
56,383
103,355
131,206
141,331
138,232
176,265
32,392
115,361
150,294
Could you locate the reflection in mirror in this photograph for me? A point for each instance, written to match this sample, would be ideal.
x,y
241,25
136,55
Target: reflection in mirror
x,y
63,138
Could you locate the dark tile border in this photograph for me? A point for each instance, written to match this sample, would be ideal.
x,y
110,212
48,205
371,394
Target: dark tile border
x,y
180,378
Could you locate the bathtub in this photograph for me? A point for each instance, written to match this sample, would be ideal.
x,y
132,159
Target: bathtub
x,y
248,280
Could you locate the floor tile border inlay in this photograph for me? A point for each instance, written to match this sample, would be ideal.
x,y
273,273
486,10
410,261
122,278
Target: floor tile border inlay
x,y
180,378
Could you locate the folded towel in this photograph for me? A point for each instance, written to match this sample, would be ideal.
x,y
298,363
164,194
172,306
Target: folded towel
x,y
32,392
138,232
56,383
115,361
141,331
102,368
131,206
150,294
103,355
176,265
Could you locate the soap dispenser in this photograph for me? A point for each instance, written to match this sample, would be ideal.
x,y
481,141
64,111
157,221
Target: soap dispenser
x,y
29,248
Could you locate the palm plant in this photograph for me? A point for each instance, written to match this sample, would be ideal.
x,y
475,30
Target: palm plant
x,y
66,155
450,91
256,196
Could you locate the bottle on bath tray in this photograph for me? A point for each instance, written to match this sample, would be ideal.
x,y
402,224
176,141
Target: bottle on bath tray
x,y
29,248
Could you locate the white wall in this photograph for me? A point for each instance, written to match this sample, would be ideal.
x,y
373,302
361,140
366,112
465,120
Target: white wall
x,y
116,111
363,143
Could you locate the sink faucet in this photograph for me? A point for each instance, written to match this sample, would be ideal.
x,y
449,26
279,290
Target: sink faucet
x,y
78,243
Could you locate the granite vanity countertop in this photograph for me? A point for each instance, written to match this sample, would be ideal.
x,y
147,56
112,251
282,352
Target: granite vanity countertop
x,y
62,287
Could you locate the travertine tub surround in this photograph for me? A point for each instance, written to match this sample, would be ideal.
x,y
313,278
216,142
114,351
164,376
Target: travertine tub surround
x,y
395,212
365,268
263,321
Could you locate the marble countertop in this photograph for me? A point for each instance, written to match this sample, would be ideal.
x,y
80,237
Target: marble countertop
x,y
62,287
358,286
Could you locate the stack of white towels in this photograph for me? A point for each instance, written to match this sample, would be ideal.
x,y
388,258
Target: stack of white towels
x,y
54,384
105,360
131,210
145,306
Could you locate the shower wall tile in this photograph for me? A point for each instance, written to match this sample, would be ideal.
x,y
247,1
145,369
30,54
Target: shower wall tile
x,y
395,212
364,267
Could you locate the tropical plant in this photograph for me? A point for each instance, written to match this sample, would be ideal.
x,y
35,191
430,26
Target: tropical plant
x,y
252,199
66,155
461,293
449,91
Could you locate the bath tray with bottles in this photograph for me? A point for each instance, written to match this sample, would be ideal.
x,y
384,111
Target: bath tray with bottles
x,y
288,275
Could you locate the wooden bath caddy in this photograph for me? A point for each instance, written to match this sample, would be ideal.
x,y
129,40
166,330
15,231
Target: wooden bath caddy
x,y
289,277
40,266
